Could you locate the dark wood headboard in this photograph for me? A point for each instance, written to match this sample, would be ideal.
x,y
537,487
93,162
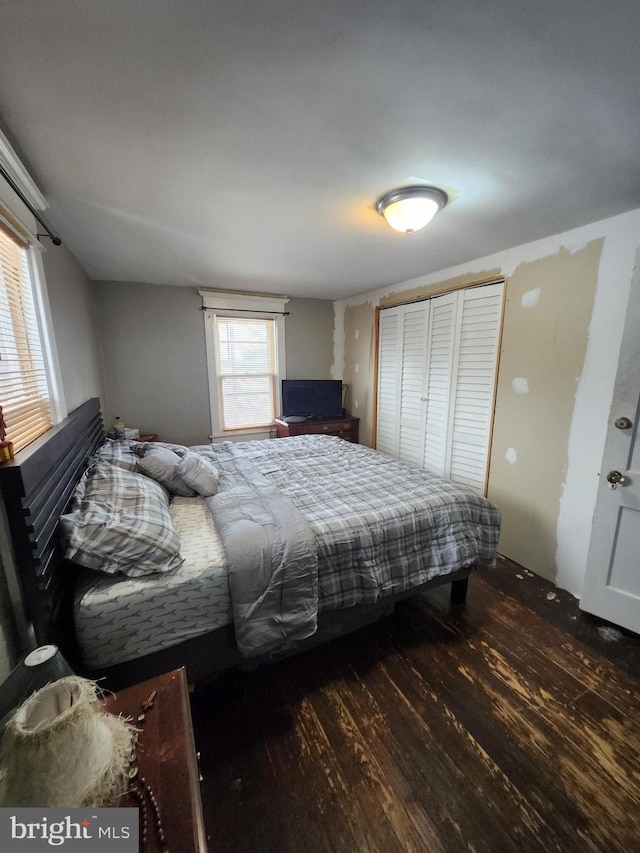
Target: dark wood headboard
x,y
36,487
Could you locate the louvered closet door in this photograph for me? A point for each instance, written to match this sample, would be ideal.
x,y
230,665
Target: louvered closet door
x,y
389,373
474,374
439,364
412,382
436,377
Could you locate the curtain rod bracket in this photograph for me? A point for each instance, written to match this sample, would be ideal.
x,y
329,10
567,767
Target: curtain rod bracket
x,y
54,239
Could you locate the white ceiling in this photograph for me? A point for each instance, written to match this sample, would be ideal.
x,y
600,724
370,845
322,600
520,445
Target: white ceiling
x,y
243,143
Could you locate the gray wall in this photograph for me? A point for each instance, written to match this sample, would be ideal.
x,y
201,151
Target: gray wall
x,y
309,338
154,360
152,343
73,313
74,326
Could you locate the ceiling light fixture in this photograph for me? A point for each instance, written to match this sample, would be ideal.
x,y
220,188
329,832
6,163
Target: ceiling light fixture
x,y
409,209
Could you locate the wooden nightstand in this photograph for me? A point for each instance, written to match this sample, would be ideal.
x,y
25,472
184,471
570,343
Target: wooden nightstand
x,y
166,758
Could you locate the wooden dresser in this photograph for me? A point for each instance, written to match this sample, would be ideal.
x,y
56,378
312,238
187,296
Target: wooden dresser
x,y
166,758
347,428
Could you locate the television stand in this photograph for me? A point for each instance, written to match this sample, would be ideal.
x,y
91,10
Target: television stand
x,y
346,428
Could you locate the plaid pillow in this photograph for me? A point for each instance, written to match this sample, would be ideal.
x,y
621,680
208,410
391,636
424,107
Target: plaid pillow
x,y
118,453
120,522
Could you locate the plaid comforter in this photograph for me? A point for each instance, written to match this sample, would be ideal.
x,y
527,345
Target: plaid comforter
x,y
381,527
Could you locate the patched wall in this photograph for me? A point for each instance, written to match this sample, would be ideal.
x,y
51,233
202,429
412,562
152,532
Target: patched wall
x,y
544,342
548,310
359,343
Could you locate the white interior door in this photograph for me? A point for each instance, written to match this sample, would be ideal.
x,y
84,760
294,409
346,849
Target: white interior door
x,y
612,580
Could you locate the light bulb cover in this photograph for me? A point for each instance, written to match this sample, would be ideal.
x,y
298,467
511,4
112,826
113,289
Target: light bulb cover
x,y
410,208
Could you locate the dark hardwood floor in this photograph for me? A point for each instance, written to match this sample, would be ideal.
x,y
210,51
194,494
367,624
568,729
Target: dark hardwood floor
x,y
510,724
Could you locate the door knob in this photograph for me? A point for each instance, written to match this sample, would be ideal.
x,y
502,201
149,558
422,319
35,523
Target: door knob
x,y
615,478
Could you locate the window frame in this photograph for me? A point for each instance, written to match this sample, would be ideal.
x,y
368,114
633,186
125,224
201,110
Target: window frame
x,y
225,304
20,221
57,399
20,224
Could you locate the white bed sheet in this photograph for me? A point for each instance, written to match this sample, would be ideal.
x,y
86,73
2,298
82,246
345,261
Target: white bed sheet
x,y
120,618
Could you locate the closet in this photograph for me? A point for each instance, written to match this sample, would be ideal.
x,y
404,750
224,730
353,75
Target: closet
x,y
437,367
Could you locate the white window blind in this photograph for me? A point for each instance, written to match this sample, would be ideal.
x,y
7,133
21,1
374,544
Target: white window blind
x,y
24,388
247,374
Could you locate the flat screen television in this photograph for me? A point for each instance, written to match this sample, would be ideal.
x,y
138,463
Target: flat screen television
x,y
312,398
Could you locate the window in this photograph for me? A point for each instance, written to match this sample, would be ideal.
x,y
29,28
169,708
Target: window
x,y
245,360
245,350
25,394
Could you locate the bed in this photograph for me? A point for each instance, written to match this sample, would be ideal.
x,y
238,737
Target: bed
x,y
248,552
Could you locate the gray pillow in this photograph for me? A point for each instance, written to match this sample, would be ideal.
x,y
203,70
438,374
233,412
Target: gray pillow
x,y
198,473
160,464
140,448
120,522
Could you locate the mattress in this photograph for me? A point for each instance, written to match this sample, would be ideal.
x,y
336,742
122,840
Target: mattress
x,y
119,618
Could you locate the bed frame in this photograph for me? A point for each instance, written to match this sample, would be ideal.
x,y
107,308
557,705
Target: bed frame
x,y
36,487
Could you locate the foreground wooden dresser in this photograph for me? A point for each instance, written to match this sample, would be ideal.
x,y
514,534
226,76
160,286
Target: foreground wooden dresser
x,y
166,758
346,428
